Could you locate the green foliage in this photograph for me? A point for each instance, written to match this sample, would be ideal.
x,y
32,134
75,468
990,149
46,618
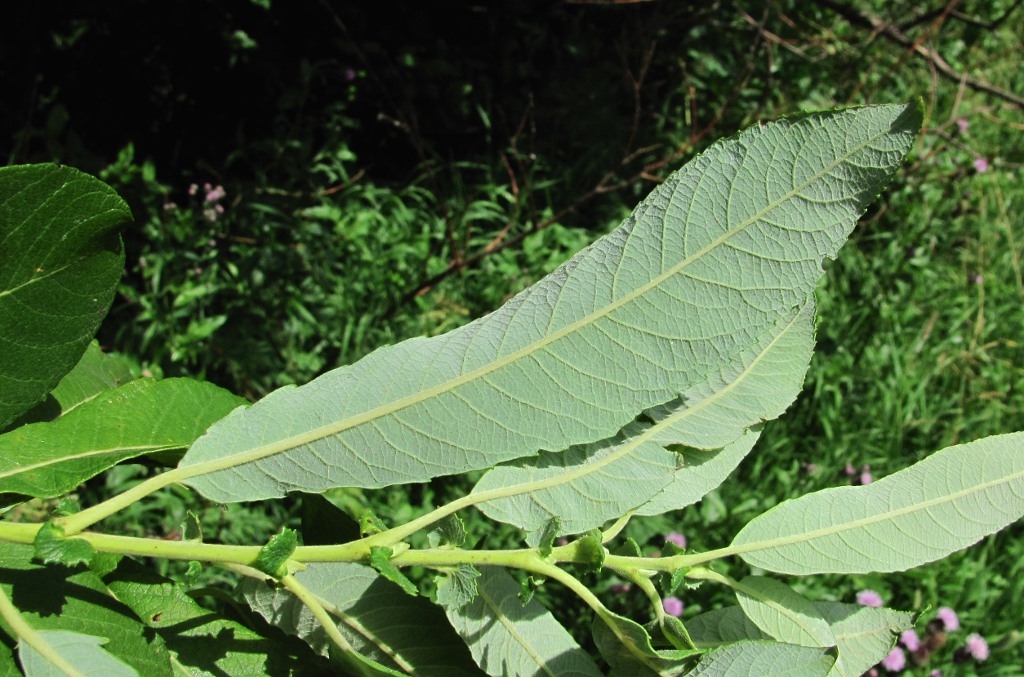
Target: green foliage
x,y
666,337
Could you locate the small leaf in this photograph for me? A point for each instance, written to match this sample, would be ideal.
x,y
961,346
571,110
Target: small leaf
x,y
545,538
191,529
764,659
449,532
783,613
273,557
62,260
923,513
52,547
457,587
380,559
590,553
142,417
85,652
509,638
370,524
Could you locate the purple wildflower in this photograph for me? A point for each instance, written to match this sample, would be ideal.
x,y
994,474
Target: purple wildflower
x,y
935,673
895,661
849,470
869,598
673,606
677,538
949,619
620,588
910,640
865,475
981,165
215,194
978,279
977,646
962,124
193,189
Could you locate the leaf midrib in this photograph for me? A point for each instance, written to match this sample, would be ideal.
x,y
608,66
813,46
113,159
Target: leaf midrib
x,y
291,442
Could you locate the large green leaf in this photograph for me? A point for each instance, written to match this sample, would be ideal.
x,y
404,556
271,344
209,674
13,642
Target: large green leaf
x,y
404,634
60,261
203,642
711,260
75,600
95,373
942,504
508,637
141,417
588,485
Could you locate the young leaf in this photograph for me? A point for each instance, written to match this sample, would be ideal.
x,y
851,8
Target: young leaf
x,y
712,259
449,532
457,587
380,559
764,659
406,634
85,652
62,260
273,556
783,613
141,417
507,637
202,641
937,506
76,600
52,547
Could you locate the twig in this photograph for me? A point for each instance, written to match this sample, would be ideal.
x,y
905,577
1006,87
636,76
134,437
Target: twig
x,y
894,34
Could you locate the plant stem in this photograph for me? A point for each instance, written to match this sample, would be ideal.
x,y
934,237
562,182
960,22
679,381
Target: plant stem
x,y
304,595
73,524
26,633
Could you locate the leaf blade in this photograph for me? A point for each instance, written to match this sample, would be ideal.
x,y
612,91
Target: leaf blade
x,y
142,417
954,498
583,352
507,637
62,262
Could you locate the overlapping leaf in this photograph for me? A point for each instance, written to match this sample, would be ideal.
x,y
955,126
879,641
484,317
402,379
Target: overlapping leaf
x,y
588,485
942,504
507,637
141,417
711,260
57,598
85,652
864,635
783,613
61,261
401,633
751,658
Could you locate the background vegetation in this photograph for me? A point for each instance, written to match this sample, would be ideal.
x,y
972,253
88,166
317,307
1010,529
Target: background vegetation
x,y
312,180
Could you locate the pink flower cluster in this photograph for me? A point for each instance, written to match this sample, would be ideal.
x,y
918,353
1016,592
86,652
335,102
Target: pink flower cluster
x,y
213,195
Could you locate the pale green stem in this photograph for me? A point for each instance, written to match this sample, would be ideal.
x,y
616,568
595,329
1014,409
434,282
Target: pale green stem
x,y
26,633
73,524
304,595
614,530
